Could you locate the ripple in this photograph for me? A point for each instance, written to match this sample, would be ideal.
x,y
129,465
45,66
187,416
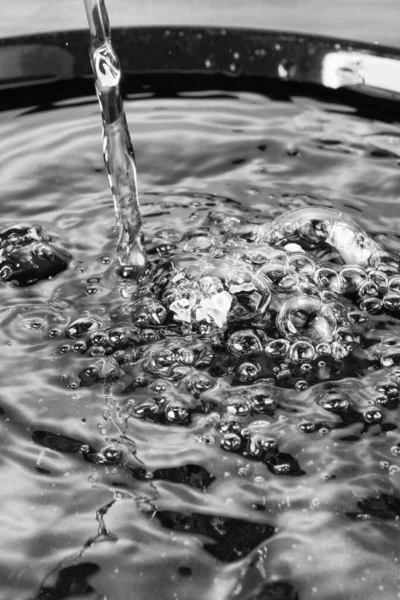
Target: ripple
x,y
258,455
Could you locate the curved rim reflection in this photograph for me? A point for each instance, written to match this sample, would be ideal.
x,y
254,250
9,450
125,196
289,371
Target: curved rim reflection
x,y
369,69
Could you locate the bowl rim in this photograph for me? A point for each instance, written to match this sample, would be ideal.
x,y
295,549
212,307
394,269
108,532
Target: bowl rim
x,y
37,62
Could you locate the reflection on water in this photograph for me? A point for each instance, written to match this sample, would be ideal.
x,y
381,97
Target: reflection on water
x,y
119,479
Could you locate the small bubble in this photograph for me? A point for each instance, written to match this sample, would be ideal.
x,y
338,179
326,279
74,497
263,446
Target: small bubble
x,y
244,344
301,352
301,385
96,351
395,450
373,416
231,442
176,412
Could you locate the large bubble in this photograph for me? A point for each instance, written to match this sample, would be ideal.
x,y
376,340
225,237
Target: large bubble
x,y
317,227
306,317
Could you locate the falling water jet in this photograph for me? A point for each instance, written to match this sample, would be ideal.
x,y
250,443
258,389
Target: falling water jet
x,y
118,151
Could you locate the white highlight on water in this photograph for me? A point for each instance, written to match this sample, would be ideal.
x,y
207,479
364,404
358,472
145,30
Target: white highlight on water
x,y
118,151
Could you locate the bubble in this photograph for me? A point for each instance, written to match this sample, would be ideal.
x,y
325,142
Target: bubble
x,y
176,412
244,344
64,349
301,385
306,426
316,227
281,469
263,401
163,358
119,337
91,290
99,338
231,442
282,277
147,408
357,317
339,351
371,305
185,356
148,335
368,289
109,455
391,302
258,255
82,327
147,311
373,416
335,404
236,406
160,362
90,374
292,150
301,352
277,349
200,243
344,335
379,279
80,347
302,263
200,382
389,390
394,284
96,351
304,316
247,372
327,278
259,443
352,278
323,349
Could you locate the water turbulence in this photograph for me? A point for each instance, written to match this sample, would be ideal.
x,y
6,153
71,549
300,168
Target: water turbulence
x,y
117,146
226,425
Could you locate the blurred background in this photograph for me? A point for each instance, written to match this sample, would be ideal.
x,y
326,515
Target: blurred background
x,y
368,20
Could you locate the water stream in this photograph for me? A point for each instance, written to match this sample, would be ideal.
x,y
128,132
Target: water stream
x,y
118,151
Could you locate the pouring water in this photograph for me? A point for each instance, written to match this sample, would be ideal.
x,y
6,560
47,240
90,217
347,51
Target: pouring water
x,y
118,151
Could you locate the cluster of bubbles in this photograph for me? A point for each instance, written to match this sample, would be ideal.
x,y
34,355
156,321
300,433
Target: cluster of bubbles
x,y
281,302
229,314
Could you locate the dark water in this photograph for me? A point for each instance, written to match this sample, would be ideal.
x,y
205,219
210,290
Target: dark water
x,y
120,481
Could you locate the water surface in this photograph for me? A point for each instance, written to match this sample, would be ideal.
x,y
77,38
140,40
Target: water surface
x,y
102,501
